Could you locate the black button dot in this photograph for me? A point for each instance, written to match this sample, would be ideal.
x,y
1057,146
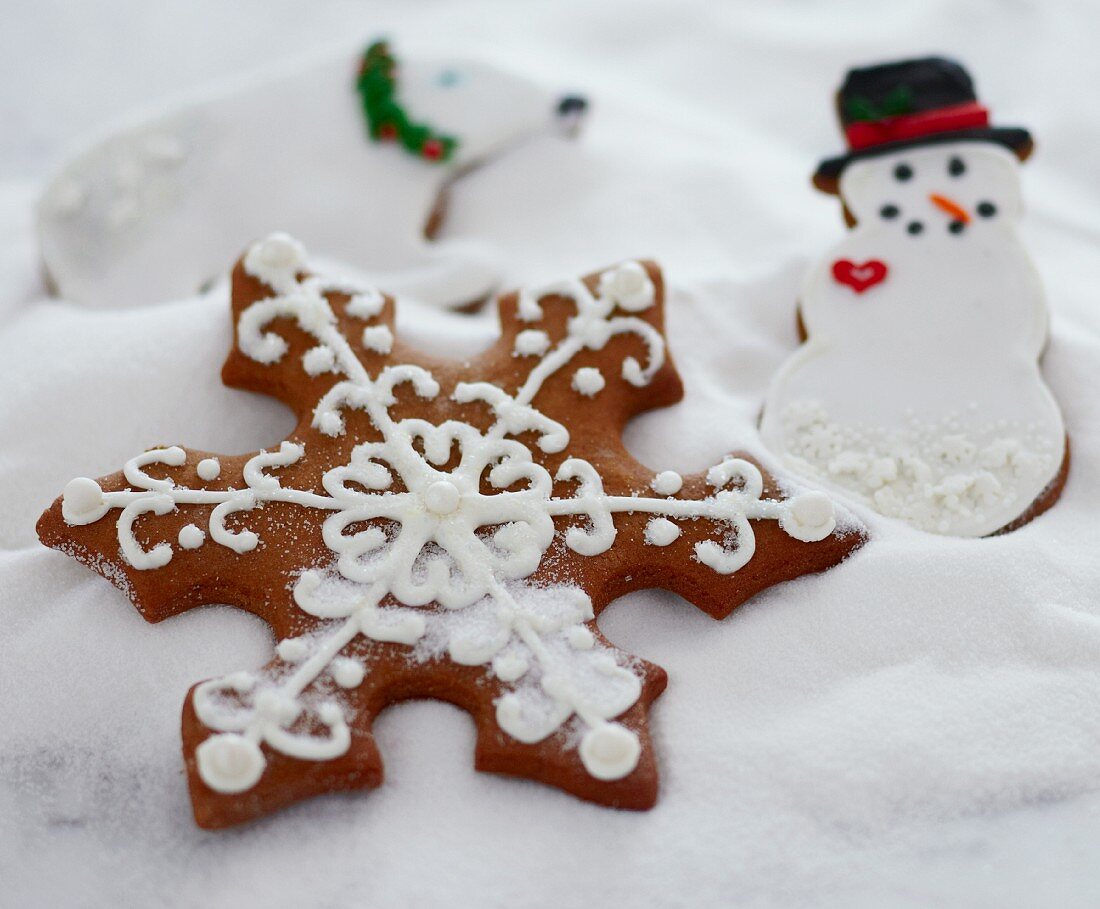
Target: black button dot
x,y
889,211
956,227
987,209
903,172
915,227
956,167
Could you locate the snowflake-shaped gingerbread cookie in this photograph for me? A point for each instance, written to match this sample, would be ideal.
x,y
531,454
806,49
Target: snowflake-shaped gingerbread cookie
x,y
435,529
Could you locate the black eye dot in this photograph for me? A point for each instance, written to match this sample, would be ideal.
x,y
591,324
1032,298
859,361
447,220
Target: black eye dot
x,y
915,227
903,172
987,209
889,211
956,227
956,167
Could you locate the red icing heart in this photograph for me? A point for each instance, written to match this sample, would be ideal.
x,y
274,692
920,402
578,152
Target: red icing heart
x,y
859,277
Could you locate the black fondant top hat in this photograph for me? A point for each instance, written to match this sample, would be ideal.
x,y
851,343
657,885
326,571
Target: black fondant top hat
x,y
911,102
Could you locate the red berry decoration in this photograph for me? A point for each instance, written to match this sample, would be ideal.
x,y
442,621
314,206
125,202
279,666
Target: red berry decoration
x,y
387,120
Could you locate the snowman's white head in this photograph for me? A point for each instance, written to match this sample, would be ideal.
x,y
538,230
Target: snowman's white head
x,y
484,108
952,189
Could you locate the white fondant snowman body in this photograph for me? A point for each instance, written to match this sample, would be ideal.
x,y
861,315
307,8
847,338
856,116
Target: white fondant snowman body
x,y
918,389
154,210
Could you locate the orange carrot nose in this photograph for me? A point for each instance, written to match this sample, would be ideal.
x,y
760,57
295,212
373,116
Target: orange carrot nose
x,y
951,207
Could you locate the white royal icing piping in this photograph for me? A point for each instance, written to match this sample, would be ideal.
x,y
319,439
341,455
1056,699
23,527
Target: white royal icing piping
x,y
588,381
535,639
191,537
667,483
532,342
378,338
661,532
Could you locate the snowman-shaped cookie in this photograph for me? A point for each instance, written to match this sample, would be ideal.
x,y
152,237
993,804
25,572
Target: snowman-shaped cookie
x,y
918,389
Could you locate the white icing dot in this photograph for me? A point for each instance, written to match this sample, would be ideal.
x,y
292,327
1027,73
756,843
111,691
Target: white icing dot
x,y
588,381
378,338
331,424
442,497
532,342
292,650
580,638
191,537
509,667
318,359
628,286
347,673
610,751
280,251
810,517
365,305
81,499
661,532
667,483
230,763
208,469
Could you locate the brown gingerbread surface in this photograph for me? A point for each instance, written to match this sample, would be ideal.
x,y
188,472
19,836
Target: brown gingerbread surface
x,y
436,529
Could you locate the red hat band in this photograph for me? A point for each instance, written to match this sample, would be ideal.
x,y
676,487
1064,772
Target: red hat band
x,y
867,133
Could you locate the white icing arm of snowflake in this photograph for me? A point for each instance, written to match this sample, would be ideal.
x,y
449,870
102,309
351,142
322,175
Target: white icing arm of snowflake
x,y
288,453
808,517
161,554
239,541
310,747
368,470
135,476
734,507
515,418
375,396
590,497
231,761
326,413
84,501
632,370
422,381
577,677
308,307
244,713
394,624
529,309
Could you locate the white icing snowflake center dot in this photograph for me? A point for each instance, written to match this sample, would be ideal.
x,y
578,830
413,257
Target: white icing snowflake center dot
x,y
442,498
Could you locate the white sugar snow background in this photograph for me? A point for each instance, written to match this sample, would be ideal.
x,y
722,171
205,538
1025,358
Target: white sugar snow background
x,y
920,726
